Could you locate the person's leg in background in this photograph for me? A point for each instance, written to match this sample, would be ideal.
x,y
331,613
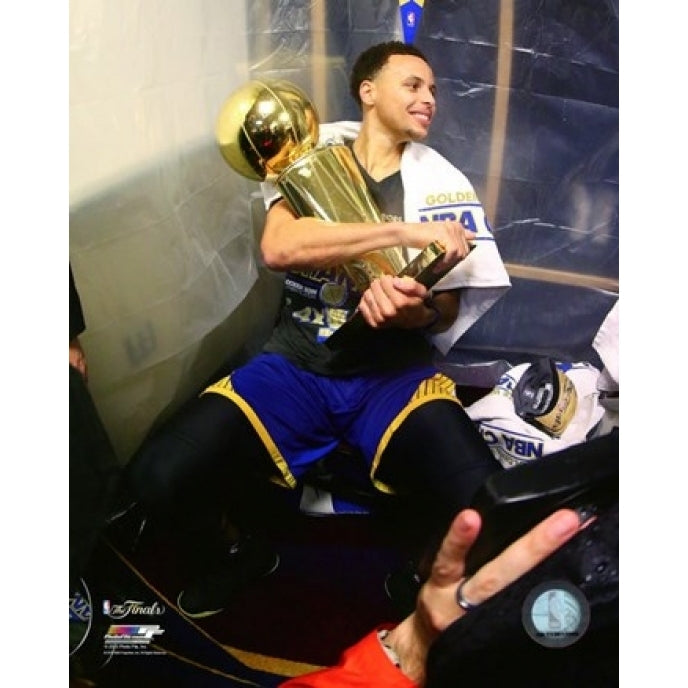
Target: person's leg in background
x,y
94,476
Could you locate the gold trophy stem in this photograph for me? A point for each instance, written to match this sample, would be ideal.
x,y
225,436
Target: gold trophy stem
x,y
326,183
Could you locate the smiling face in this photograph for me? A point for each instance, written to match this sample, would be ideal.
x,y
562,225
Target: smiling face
x,y
402,97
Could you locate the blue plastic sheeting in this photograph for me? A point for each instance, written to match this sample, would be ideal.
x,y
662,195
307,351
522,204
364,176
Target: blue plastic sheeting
x,y
552,198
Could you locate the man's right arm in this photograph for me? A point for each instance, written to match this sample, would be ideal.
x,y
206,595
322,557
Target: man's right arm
x,y
297,243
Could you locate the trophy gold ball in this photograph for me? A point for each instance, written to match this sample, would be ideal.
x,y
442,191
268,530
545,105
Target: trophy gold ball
x,y
264,126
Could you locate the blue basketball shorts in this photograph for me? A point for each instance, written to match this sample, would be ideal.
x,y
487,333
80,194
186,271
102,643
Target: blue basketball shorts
x,y
302,417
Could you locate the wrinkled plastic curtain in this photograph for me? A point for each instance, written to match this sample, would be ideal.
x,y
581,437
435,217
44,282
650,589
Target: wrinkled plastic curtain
x,y
528,110
162,243
540,142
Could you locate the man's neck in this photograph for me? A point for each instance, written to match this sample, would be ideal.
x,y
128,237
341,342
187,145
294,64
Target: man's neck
x,y
377,153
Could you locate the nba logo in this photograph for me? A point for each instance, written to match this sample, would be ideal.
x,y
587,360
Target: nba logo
x,y
106,607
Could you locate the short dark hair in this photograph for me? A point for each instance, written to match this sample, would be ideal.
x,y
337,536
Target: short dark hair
x,y
373,59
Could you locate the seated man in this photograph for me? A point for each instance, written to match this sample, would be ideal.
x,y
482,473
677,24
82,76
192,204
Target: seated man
x,y
299,399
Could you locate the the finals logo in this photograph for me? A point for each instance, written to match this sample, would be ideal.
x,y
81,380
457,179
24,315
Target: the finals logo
x,y
120,610
132,638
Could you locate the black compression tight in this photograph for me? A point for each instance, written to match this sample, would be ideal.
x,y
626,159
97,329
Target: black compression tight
x,y
185,472
438,459
438,451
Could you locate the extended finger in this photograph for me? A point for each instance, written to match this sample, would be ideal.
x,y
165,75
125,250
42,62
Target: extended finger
x,y
449,562
407,285
522,556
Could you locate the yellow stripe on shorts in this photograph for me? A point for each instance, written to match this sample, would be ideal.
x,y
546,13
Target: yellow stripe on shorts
x,y
224,387
439,386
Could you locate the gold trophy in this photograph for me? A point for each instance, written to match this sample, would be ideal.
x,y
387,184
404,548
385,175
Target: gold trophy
x,y
268,131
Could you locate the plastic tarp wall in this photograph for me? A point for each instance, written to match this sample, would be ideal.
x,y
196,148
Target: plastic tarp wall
x,y
528,110
162,240
541,142
164,251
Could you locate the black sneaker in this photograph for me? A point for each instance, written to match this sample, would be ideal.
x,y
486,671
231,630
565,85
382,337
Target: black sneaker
x,y
402,587
248,560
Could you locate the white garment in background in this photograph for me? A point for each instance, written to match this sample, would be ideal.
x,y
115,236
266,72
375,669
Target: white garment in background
x,y
512,440
606,343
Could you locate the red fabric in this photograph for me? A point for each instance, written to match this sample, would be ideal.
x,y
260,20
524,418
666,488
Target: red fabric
x,y
363,665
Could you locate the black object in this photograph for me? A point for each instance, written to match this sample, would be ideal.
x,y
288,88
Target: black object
x,y
584,477
537,392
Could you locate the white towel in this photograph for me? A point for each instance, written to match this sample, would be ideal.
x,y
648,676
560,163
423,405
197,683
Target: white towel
x,y
435,189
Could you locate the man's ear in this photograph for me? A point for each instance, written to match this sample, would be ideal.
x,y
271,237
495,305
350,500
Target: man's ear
x,y
367,91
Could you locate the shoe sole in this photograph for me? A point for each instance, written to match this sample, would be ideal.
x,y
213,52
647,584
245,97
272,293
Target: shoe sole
x,y
212,612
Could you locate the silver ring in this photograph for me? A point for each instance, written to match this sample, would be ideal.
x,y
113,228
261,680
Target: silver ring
x,y
461,600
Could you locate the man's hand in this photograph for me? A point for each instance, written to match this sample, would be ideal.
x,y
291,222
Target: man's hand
x,y
394,302
401,302
77,357
453,237
437,607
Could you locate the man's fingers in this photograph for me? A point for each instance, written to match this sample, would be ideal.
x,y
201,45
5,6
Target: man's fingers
x,y
409,286
522,555
449,562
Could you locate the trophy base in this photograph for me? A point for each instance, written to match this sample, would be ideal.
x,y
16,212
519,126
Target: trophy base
x,y
421,268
